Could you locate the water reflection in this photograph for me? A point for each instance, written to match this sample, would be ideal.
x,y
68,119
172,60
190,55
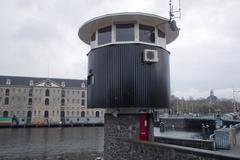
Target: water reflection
x,y
51,143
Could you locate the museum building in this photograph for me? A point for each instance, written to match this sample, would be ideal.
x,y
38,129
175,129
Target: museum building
x,y
32,100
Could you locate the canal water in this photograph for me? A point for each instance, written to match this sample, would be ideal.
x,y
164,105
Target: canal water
x,y
76,143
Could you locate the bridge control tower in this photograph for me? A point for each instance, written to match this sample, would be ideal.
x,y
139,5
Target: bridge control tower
x,y
128,72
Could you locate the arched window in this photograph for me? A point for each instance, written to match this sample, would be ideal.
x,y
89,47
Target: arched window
x,y
7,92
47,93
97,113
29,101
62,102
82,114
46,101
6,102
46,114
5,114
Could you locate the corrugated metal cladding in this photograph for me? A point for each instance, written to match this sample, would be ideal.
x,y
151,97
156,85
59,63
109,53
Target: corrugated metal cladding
x,y
123,79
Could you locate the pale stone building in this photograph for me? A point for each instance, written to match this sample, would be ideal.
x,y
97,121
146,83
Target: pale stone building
x,y
46,100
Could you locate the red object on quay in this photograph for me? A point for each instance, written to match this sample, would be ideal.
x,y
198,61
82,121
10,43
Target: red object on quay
x,y
143,134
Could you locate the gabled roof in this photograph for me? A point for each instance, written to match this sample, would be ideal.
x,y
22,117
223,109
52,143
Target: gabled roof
x,y
24,81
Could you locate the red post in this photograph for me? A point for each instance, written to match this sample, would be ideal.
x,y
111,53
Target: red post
x,y
143,133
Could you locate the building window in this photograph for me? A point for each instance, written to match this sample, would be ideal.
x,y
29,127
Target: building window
x,y
47,92
161,34
83,102
73,100
83,94
29,101
46,114
7,92
72,113
73,92
105,35
47,101
77,112
63,93
5,114
62,102
146,33
30,93
67,112
6,102
124,32
53,113
82,114
97,113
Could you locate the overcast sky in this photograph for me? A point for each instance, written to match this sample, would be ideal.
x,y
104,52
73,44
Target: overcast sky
x,y
39,38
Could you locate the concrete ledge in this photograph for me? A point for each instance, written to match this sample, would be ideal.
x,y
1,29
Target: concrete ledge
x,y
194,143
156,151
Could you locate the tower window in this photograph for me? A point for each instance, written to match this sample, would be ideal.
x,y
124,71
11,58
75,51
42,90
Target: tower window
x,y
124,32
105,35
147,33
161,34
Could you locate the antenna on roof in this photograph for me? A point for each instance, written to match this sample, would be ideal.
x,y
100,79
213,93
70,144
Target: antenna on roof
x,y
174,13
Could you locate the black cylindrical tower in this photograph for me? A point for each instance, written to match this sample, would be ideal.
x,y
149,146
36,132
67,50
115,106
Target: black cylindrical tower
x,y
128,62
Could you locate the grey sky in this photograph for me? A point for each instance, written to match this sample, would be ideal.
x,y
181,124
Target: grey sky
x,y
39,38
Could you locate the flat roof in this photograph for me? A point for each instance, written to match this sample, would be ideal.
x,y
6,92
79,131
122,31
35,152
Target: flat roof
x,y
89,27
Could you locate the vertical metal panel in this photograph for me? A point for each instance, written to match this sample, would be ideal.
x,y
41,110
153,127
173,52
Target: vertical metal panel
x,y
122,79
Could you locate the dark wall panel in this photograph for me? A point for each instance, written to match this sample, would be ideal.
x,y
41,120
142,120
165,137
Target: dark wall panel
x,y
123,79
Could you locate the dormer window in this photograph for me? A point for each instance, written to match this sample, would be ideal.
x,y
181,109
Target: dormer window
x,y
83,85
31,83
8,82
63,84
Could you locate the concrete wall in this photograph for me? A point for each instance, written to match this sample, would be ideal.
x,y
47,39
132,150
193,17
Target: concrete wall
x,y
140,150
194,143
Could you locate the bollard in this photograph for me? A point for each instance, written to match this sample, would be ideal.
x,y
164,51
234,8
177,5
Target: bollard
x,y
162,127
207,131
